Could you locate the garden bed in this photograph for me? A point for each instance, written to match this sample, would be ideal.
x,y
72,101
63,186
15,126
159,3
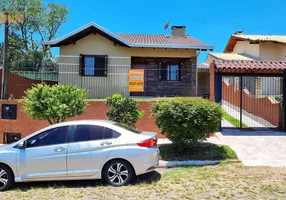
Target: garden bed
x,y
204,151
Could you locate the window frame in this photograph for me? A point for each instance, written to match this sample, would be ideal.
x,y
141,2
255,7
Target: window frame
x,y
65,142
74,128
164,68
82,65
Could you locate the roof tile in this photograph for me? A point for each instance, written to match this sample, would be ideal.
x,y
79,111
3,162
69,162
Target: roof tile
x,y
263,38
230,56
250,64
161,39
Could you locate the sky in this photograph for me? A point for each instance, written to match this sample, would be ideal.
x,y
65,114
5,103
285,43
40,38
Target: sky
x,y
211,21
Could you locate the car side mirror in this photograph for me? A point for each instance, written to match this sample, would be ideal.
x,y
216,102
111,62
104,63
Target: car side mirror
x,y
22,145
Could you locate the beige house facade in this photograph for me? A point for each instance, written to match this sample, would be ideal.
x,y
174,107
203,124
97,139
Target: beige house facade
x,y
93,58
241,47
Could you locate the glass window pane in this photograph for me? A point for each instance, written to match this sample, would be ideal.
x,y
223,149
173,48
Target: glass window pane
x,y
50,137
110,133
89,66
89,132
173,74
99,66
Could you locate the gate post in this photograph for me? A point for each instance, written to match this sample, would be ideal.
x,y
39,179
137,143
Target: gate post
x,y
240,94
218,88
284,101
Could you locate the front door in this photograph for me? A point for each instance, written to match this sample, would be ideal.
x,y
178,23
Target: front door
x,y
91,146
45,155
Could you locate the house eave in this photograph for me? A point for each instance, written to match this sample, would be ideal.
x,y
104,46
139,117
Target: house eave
x,y
57,42
167,46
74,35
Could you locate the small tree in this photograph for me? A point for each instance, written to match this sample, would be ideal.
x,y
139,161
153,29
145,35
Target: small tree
x,y
123,110
187,121
54,103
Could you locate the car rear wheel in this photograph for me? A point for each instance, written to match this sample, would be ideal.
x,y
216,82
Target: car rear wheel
x,y
6,178
118,173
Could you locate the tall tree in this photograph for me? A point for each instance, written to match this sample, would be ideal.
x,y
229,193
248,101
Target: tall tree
x,y
41,22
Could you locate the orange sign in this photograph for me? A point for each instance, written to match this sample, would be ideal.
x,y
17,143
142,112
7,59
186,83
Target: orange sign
x,y
11,18
136,80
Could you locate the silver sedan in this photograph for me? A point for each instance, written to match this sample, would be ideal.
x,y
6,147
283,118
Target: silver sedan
x,y
89,149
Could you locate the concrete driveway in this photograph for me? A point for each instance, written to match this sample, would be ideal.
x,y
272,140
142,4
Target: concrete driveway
x,y
256,148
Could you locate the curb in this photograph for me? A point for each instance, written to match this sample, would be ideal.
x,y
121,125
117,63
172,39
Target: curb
x,y
167,164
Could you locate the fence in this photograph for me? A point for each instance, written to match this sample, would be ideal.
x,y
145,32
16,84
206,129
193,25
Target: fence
x,y
36,75
185,80
253,100
17,84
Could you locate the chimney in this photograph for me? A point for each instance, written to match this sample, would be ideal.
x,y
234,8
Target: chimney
x,y
179,31
238,33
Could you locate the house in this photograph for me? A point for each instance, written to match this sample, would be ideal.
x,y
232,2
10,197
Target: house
x,y
105,63
247,79
242,47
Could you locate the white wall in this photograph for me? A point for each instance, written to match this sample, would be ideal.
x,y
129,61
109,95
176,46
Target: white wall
x,y
272,51
263,51
245,47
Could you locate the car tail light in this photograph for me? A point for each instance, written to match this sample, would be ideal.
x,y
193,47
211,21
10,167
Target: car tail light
x,y
148,143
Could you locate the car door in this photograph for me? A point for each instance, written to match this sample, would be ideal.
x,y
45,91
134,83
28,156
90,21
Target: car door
x,y
44,155
91,146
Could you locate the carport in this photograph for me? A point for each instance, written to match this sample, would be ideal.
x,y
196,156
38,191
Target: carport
x,y
251,92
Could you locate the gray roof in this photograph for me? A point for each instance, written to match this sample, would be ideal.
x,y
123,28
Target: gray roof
x,y
132,40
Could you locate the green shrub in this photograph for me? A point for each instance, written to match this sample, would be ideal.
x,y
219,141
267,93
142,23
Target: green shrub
x,y
278,98
54,103
203,151
187,121
123,110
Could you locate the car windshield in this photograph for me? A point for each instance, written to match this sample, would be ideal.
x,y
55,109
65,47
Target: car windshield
x,y
128,128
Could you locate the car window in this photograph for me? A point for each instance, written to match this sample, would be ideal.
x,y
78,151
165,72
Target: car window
x,y
109,133
50,137
93,132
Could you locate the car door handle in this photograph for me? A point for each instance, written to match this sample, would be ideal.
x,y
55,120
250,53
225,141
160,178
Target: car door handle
x,y
105,143
60,149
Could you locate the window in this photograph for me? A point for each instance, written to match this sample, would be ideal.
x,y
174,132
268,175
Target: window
x,y
9,111
91,65
50,137
93,132
11,137
171,72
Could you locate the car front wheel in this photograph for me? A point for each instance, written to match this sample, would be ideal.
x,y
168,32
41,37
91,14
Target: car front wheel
x,y
6,178
118,173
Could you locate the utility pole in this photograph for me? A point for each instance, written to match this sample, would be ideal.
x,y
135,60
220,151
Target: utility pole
x,y
5,59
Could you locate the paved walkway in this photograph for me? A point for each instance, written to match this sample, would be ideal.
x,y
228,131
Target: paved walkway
x,y
256,148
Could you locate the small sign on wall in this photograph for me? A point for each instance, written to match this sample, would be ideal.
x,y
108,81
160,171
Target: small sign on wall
x,y
136,80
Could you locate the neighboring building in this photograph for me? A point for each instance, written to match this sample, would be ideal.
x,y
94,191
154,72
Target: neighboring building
x,y
260,47
94,58
242,47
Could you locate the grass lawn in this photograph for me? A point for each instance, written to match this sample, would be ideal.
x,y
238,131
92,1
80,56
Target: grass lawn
x,y
223,181
204,151
235,122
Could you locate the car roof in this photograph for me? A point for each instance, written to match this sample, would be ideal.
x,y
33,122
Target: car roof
x,y
79,122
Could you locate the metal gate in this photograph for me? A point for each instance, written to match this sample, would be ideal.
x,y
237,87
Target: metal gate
x,y
252,102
